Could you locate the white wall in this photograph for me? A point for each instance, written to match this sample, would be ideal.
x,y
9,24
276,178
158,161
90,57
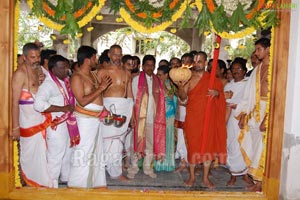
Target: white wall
x,y
290,176
293,81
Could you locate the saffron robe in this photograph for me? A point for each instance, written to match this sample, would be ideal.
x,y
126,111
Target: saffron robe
x,y
215,144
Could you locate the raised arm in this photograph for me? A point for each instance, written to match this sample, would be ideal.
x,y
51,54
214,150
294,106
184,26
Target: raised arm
x,y
182,90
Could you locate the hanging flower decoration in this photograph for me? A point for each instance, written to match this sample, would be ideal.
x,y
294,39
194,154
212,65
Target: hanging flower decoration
x,y
65,16
233,19
228,18
150,16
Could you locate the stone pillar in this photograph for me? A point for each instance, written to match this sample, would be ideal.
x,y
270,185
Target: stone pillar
x,y
58,44
87,36
197,40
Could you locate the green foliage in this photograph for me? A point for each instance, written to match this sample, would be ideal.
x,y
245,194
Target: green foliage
x,y
202,22
237,17
28,31
219,21
244,49
219,18
37,8
188,15
115,5
237,21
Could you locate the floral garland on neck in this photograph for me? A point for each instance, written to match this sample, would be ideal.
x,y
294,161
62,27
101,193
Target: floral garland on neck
x,y
67,16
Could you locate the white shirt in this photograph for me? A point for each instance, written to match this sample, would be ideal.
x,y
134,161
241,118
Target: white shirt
x,y
237,88
48,94
46,72
150,108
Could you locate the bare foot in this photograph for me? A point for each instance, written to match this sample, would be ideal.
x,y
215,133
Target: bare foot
x,y
215,164
232,180
123,178
180,168
255,188
190,182
208,183
247,179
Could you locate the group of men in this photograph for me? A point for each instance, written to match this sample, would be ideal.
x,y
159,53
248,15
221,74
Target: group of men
x,y
75,129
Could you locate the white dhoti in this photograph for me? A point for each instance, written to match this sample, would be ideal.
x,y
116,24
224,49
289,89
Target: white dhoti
x,y
59,153
87,167
252,145
33,149
113,137
181,151
235,160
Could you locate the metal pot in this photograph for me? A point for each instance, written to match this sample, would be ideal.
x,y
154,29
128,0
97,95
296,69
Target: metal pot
x,y
108,120
119,120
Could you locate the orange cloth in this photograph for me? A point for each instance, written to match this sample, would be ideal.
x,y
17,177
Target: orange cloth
x,y
215,146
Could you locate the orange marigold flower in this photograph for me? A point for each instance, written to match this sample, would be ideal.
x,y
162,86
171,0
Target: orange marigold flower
x,y
142,15
210,5
255,9
157,15
81,11
173,4
48,10
130,5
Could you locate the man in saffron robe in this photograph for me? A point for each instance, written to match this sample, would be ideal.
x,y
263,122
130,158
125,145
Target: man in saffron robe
x,y
149,138
54,96
196,93
28,124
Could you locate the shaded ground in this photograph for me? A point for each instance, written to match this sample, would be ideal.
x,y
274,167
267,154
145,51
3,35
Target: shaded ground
x,y
175,181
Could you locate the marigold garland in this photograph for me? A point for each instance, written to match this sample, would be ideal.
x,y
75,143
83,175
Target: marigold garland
x,y
140,27
211,7
240,34
84,15
15,143
143,15
233,35
270,75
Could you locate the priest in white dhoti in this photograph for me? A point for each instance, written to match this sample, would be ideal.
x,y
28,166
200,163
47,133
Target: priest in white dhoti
x,y
118,100
29,125
33,146
252,114
54,96
235,160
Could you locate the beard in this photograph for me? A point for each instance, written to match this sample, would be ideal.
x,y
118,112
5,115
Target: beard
x,y
35,65
116,62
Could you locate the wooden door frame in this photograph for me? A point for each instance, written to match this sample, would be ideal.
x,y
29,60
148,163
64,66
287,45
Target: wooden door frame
x,y
274,147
